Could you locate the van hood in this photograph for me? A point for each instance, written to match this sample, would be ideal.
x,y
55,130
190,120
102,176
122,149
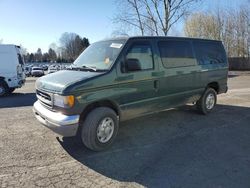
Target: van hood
x,y
58,81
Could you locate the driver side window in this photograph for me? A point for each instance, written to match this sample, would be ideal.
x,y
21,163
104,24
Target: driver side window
x,y
138,58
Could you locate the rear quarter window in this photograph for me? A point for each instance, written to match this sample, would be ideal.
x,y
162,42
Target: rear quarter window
x,y
209,52
176,54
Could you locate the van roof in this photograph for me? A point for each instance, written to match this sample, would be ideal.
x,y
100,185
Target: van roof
x,y
10,45
161,37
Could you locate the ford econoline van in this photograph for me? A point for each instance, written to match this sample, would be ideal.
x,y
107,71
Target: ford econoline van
x,y
119,79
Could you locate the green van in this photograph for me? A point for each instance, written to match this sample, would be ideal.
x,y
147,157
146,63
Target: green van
x,y
123,78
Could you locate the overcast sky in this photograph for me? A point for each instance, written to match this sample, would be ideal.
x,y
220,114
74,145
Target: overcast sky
x,y
38,23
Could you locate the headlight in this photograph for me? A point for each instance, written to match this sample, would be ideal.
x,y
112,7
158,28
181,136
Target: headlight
x,y
64,101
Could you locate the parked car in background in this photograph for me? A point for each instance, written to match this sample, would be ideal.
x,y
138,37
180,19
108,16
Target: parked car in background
x,y
12,74
37,71
53,68
120,79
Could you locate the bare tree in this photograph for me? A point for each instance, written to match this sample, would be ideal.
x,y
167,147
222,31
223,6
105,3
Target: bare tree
x,y
152,17
203,25
52,56
38,55
71,45
232,27
130,14
67,48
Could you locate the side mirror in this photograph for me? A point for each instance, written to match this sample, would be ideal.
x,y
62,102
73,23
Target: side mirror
x,y
132,65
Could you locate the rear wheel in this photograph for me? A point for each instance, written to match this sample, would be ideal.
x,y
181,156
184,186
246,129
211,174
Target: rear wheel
x,y
207,102
4,89
99,129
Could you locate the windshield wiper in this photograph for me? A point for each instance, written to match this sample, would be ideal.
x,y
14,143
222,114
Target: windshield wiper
x,y
85,68
71,67
88,67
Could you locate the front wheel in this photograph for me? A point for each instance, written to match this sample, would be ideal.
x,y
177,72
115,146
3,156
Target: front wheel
x,y
99,129
207,101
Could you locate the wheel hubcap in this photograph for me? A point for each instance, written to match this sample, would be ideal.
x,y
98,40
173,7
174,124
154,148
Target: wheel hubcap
x,y
105,130
210,100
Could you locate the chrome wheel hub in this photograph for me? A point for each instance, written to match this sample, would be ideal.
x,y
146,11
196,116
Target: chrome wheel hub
x,y
210,101
105,130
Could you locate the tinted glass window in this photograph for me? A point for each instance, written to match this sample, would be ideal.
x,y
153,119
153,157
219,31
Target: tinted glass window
x,y
209,52
143,53
176,53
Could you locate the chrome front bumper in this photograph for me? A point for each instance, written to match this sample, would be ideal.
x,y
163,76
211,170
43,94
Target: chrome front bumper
x,y
61,124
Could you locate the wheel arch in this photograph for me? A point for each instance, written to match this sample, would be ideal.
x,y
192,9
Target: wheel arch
x,y
215,86
101,103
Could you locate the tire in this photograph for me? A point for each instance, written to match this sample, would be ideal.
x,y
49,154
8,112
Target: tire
x,y
4,89
207,101
93,131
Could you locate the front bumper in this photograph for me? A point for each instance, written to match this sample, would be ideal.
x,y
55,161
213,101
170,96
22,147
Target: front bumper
x,y
59,123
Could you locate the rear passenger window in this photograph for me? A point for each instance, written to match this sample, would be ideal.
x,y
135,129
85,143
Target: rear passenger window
x,y
176,54
143,53
209,52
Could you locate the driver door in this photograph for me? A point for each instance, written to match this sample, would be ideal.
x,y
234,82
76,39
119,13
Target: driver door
x,y
137,85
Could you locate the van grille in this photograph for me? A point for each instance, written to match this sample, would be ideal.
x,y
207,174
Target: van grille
x,y
45,98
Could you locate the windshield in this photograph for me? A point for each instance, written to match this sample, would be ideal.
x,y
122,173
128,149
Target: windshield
x,y
100,55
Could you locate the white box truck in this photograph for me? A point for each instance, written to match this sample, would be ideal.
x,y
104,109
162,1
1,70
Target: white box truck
x,y
12,73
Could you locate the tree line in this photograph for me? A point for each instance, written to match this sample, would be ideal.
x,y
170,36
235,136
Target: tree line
x,y
232,27
71,45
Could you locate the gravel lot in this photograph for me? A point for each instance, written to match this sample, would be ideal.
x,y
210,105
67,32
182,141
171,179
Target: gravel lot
x,y
176,148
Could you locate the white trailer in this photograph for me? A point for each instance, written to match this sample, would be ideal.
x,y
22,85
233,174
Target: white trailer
x,y
12,73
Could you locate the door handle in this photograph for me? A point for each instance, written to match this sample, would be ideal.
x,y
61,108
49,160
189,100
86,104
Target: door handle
x,y
156,85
